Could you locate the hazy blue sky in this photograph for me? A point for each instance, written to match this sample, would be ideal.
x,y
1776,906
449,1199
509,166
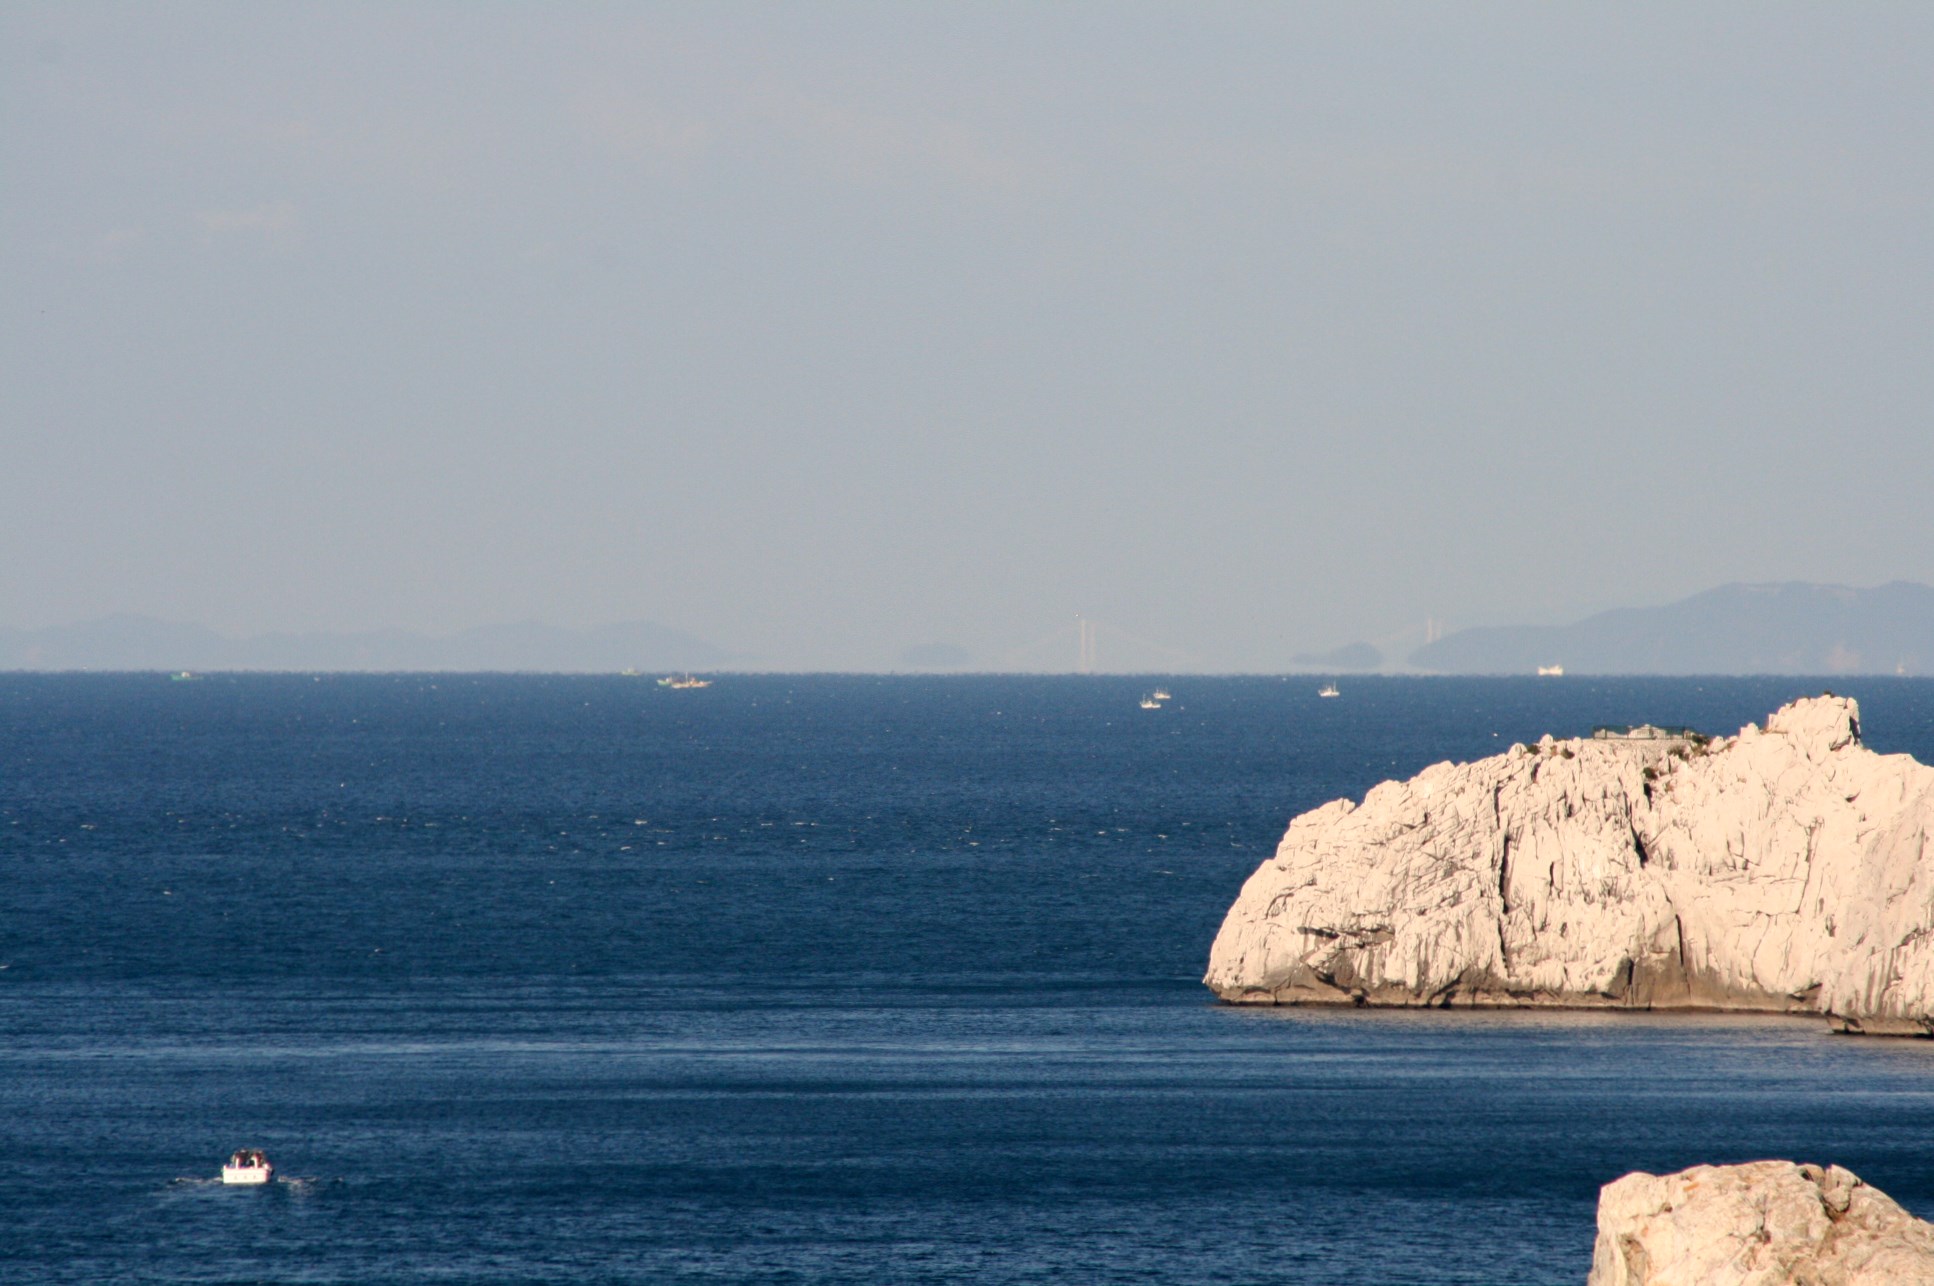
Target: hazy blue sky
x,y
822,330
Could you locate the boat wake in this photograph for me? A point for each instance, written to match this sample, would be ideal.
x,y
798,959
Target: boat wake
x,y
301,1183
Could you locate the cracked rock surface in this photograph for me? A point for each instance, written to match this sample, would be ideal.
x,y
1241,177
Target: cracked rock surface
x,y
1785,869
1765,1223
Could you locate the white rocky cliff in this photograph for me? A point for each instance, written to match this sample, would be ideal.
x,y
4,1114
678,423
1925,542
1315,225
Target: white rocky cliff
x,y
1784,869
1766,1223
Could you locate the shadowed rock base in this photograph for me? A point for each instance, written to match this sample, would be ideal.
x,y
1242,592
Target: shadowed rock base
x,y
1766,1223
1634,987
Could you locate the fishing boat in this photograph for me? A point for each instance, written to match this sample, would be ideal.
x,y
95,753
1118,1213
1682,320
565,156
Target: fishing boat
x,y
1150,703
1550,671
1160,694
1328,690
683,681
248,1166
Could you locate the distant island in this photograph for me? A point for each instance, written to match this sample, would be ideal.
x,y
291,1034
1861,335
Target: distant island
x,y
141,643
1789,627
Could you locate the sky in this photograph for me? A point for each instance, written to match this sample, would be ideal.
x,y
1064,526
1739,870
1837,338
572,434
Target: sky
x,y
824,331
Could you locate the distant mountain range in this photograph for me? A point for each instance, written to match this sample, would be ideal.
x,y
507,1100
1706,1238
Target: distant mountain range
x,y
1790,627
142,643
1786,628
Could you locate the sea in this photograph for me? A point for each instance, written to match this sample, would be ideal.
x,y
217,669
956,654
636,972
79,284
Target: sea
x,y
808,979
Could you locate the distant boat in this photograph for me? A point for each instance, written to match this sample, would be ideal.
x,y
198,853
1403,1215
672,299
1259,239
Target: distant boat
x,y
629,674
185,676
683,681
248,1166
1328,690
1160,694
1548,671
1150,703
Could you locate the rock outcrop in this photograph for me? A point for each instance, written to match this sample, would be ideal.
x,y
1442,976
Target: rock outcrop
x,y
1766,1223
1785,869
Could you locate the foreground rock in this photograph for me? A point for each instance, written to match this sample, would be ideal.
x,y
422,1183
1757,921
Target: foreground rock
x,y
1767,1223
1785,870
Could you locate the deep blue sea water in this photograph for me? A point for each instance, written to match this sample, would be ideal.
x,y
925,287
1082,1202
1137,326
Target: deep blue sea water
x,y
805,979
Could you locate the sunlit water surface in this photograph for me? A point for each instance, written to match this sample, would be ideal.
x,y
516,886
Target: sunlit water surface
x,y
804,979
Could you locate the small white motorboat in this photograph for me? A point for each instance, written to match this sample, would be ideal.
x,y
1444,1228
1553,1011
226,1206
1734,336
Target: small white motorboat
x,y
248,1166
